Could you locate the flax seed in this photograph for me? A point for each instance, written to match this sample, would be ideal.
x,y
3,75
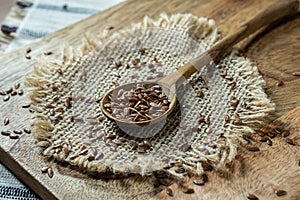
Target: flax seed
x,y
17,85
200,94
252,197
264,139
188,190
59,71
285,133
44,169
6,98
280,193
269,142
13,136
6,121
72,157
296,73
2,93
5,132
169,192
83,152
204,178
50,172
14,93
201,118
27,56
25,105
21,92
31,110
48,53
289,141
252,148
27,130
229,78
8,91
28,50
19,132
280,83
198,182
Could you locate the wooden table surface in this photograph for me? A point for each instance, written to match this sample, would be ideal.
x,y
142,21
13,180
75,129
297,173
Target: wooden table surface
x,y
276,53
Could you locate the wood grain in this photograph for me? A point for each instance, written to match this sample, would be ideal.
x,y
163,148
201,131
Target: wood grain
x,y
276,53
259,173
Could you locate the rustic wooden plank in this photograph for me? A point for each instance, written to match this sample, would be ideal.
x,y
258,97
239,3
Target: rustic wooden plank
x,y
276,53
260,173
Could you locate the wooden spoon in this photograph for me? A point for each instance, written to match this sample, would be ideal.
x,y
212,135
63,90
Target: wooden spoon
x,y
172,81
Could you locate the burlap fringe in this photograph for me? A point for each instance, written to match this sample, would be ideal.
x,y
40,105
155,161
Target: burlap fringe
x,y
199,27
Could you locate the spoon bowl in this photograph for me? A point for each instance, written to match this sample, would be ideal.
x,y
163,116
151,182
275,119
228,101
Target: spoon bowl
x,y
112,98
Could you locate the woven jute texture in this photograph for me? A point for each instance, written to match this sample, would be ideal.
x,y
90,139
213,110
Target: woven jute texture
x,y
70,126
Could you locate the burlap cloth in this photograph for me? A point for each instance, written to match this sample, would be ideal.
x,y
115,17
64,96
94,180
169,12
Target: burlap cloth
x,y
184,145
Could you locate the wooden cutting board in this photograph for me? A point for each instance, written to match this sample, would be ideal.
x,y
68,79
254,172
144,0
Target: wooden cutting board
x,y
276,53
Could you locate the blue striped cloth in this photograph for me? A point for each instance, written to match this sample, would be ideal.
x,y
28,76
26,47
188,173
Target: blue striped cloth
x,y
45,17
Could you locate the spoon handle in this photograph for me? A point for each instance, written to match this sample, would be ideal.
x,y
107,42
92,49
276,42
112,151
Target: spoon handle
x,y
277,10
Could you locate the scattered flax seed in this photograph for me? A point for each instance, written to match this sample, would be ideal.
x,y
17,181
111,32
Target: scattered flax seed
x,y
68,102
25,105
72,157
264,139
50,172
271,134
27,130
17,85
299,163
14,93
6,121
44,169
169,192
269,142
110,27
59,71
48,53
8,91
285,133
28,50
229,78
31,110
280,193
19,132
21,92
204,178
252,148
200,94
5,132
199,182
27,56
118,64
232,85
223,74
252,197
83,152
289,141
2,93
280,83
13,136
261,134
188,190
296,73
201,118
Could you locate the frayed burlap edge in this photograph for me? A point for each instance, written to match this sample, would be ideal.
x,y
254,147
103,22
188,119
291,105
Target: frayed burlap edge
x,y
199,28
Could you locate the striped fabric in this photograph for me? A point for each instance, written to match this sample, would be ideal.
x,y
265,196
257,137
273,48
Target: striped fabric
x,y
42,18
46,16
